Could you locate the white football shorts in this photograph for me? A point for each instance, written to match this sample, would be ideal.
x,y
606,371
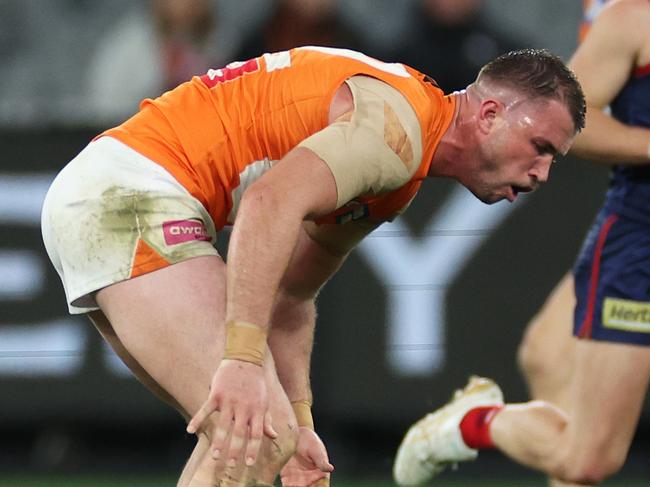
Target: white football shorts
x,y
112,214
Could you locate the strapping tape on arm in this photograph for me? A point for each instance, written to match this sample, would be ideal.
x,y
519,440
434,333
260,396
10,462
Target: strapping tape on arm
x,y
245,341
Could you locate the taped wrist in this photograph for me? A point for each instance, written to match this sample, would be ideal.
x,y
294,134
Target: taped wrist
x,y
245,341
302,410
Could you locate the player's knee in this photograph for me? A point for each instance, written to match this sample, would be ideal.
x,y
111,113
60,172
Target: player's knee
x,y
588,473
590,467
285,445
532,358
275,453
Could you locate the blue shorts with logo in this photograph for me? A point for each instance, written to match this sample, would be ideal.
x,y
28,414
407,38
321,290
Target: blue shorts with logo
x,y
612,281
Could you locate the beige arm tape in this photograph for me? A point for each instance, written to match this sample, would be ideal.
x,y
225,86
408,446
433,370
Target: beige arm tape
x,y
245,341
302,410
378,149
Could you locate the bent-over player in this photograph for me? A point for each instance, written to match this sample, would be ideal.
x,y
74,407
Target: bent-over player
x,y
304,152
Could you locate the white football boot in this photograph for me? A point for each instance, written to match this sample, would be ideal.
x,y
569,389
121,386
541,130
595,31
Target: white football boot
x,y
435,441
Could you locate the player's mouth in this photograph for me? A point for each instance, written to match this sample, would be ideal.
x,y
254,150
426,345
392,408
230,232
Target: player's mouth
x,y
514,190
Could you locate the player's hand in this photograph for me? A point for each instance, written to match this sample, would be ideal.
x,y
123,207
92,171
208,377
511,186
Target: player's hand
x,y
238,392
309,466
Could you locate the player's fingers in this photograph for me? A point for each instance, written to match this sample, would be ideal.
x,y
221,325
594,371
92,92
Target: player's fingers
x,y
326,467
224,424
268,426
206,410
237,439
320,459
314,454
254,440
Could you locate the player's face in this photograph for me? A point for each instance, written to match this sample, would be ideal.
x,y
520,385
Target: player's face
x,y
519,148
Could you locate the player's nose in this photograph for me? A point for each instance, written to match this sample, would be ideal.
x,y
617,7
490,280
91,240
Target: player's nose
x,y
541,169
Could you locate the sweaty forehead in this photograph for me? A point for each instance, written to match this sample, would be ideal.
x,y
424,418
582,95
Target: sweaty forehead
x,y
536,109
549,119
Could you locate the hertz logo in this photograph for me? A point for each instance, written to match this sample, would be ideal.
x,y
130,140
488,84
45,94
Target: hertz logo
x,y
623,314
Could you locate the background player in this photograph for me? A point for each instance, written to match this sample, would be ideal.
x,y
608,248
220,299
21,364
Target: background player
x,y
589,438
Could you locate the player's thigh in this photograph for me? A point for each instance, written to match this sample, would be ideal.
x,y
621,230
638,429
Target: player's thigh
x,y
108,333
610,382
171,322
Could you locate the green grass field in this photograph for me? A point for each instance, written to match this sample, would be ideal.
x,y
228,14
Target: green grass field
x,y
167,482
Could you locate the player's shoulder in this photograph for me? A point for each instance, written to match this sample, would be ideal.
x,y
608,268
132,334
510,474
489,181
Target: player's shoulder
x,y
625,13
621,24
392,100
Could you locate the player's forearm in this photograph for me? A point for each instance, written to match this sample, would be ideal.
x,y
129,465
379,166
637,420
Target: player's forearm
x,y
609,141
291,339
294,313
260,247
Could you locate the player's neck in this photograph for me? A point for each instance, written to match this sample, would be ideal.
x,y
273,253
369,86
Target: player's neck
x,y
455,147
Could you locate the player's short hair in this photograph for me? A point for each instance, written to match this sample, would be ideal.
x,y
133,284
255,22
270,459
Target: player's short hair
x,y
538,73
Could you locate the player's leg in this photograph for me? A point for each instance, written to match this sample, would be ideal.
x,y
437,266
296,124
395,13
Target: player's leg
x,y
607,392
608,385
171,322
202,470
610,376
201,449
547,350
106,330
200,456
545,356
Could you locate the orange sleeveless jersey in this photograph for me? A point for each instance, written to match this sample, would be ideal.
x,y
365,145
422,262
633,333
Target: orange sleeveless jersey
x,y
207,131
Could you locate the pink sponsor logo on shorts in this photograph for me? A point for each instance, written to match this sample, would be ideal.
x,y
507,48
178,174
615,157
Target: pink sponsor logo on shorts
x,y
179,231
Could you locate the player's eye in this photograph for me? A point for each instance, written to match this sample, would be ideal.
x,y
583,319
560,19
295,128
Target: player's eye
x,y
544,149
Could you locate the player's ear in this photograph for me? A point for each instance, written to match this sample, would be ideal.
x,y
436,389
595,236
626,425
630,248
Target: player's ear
x,y
489,110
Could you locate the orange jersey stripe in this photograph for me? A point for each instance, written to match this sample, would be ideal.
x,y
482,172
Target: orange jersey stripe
x,y
146,259
208,130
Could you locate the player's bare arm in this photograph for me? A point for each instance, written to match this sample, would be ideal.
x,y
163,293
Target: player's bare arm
x,y
322,248
603,63
299,187
290,341
319,252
